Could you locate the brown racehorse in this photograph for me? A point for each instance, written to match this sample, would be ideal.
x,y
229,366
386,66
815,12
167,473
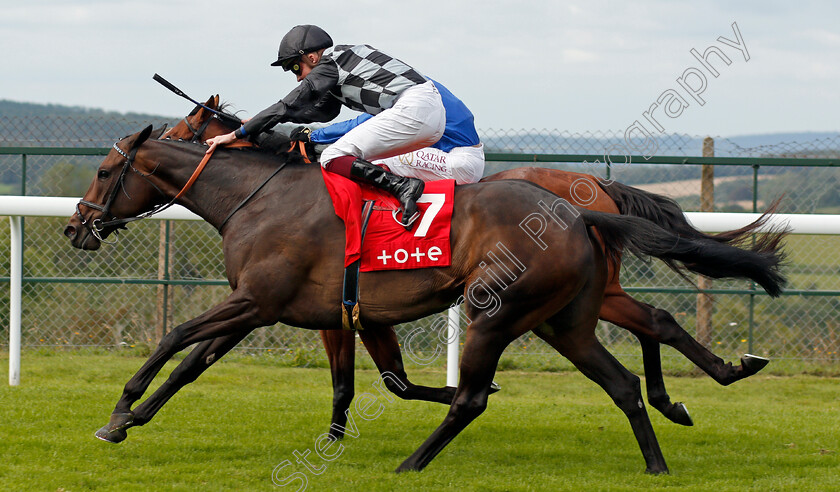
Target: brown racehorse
x,y
651,325
284,258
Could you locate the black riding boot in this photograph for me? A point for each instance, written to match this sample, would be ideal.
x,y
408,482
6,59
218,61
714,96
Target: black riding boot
x,y
406,190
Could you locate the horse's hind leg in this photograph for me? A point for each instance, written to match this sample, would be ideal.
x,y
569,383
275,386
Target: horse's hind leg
x,y
613,310
384,349
655,383
593,360
644,319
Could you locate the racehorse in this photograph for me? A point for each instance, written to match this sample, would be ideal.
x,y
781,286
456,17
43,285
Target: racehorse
x,y
650,325
283,250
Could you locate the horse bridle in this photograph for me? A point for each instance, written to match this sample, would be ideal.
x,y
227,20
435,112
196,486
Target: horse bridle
x,y
199,132
96,226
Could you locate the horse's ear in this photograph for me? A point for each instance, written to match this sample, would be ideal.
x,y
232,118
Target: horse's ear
x,y
158,132
211,102
215,102
142,136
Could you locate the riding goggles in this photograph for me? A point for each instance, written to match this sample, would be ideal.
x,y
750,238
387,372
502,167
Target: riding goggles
x,y
292,65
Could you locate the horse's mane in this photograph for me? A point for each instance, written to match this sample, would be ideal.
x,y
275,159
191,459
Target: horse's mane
x,y
292,158
274,141
223,106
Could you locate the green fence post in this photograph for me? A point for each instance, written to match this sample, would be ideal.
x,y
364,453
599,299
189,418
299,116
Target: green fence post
x,y
162,325
752,284
167,278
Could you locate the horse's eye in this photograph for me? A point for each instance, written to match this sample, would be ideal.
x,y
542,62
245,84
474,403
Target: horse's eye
x,y
103,174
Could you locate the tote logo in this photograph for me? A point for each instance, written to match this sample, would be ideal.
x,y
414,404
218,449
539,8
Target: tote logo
x,y
401,256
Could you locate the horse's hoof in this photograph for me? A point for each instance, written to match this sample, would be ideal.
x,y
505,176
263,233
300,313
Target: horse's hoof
x,y
115,432
494,387
658,471
115,437
753,363
405,468
679,415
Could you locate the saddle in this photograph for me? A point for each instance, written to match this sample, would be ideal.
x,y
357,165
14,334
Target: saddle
x,y
376,241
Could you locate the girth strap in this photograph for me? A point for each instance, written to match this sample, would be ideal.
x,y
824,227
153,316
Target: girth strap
x,y
350,316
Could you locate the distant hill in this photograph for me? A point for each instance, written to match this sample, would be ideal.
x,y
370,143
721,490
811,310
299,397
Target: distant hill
x,y
28,124
29,110
52,125
777,138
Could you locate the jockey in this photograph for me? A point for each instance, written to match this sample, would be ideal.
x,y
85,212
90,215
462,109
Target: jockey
x,y
407,110
458,154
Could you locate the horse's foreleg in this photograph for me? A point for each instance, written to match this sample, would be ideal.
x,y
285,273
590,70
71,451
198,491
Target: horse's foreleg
x,y
341,353
384,349
199,360
658,324
236,315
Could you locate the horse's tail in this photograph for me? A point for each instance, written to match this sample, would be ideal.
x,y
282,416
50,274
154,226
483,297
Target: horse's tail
x,y
761,263
667,214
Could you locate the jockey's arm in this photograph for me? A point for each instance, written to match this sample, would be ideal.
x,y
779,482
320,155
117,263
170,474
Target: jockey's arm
x,y
299,105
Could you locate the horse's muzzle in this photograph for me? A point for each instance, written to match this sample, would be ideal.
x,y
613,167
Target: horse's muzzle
x,y
80,237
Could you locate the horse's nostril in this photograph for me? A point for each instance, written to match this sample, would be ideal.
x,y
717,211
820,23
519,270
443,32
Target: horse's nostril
x,y
70,232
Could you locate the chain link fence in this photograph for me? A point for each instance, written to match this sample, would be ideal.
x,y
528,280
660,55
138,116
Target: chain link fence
x,y
125,296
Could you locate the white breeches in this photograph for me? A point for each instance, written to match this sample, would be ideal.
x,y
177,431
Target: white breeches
x,y
400,136
416,120
463,164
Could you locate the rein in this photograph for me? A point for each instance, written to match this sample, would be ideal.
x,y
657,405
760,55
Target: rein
x,y
243,202
301,148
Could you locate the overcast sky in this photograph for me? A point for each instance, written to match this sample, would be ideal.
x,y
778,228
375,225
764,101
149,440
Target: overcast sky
x,y
576,65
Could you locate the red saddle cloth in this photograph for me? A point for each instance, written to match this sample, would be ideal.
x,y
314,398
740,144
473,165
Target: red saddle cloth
x,y
388,245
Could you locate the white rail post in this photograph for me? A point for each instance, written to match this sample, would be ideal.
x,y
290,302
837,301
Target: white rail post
x,y
15,281
453,346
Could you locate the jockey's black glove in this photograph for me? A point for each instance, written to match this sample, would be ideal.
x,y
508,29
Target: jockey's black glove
x,y
300,133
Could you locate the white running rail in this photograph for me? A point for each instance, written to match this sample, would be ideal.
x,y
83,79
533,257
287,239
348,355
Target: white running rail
x,y
31,206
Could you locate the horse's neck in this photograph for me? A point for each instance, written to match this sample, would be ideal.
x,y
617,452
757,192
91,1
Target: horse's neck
x,y
230,177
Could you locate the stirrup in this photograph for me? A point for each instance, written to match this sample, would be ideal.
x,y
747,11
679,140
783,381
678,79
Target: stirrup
x,y
410,221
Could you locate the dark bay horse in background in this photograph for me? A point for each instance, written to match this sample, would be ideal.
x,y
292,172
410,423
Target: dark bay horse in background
x,y
284,260
649,324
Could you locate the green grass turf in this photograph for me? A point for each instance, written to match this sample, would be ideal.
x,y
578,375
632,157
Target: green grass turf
x,y
543,431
